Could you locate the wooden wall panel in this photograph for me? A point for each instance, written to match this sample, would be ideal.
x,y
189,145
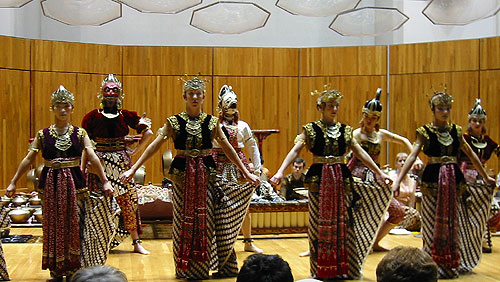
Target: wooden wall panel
x,y
362,60
256,61
355,89
15,53
445,56
490,99
159,97
267,103
489,55
14,123
410,107
75,57
144,60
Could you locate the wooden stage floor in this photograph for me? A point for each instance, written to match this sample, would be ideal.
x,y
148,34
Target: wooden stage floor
x,y
24,260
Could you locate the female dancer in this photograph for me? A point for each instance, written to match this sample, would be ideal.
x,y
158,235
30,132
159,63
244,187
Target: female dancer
x,y
201,208
239,134
370,137
343,216
62,186
484,147
445,221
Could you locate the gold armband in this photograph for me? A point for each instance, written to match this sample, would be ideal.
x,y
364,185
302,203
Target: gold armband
x,y
160,133
31,148
219,139
299,139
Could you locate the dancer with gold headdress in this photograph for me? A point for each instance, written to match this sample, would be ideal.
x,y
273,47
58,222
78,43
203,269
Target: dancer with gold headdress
x,y
484,147
445,219
370,137
207,218
239,135
344,216
62,186
108,127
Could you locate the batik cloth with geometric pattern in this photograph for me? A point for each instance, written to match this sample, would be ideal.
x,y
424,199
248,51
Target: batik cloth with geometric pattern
x,y
4,223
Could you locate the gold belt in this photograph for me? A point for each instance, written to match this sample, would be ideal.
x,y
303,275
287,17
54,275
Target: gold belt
x,y
328,159
442,160
194,152
62,164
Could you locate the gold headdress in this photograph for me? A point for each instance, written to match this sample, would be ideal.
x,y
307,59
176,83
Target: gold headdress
x,y
327,95
477,111
62,96
193,84
373,106
441,98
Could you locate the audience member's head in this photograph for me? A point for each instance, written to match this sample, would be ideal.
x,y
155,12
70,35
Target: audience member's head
x,y
299,165
407,264
265,268
100,273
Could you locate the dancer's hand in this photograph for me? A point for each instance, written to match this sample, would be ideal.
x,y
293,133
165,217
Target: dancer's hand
x,y
108,189
276,179
490,180
387,180
253,178
11,190
127,176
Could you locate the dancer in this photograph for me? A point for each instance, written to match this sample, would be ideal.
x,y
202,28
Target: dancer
x,y
370,137
62,187
484,147
239,135
107,127
343,216
202,209
445,219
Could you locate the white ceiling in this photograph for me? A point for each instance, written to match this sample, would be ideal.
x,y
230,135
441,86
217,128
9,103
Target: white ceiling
x,y
281,30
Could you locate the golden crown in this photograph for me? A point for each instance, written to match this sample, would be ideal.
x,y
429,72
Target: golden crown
x,y
62,96
327,95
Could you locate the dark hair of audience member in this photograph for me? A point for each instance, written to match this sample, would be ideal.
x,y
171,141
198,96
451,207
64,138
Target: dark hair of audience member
x,y
407,264
300,161
100,273
265,268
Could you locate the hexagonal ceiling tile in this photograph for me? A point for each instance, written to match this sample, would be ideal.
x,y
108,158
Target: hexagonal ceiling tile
x,y
460,12
161,6
226,17
13,3
317,8
82,12
368,21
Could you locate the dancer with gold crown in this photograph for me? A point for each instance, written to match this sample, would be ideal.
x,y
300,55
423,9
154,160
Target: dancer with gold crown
x,y
63,188
344,216
445,201
239,135
484,147
202,209
370,137
108,127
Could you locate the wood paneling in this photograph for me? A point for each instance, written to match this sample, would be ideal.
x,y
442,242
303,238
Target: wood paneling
x,y
14,122
144,60
489,53
75,57
15,53
365,60
256,61
490,98
159,97
409,104
445,56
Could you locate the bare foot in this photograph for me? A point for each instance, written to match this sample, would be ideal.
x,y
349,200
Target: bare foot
x,y
378,248
140,249
305,254
250,247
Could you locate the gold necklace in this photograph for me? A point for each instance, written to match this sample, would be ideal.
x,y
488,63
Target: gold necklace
x,y
443,135
63,141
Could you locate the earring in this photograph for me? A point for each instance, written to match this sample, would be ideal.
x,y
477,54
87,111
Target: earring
x,y
101,106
